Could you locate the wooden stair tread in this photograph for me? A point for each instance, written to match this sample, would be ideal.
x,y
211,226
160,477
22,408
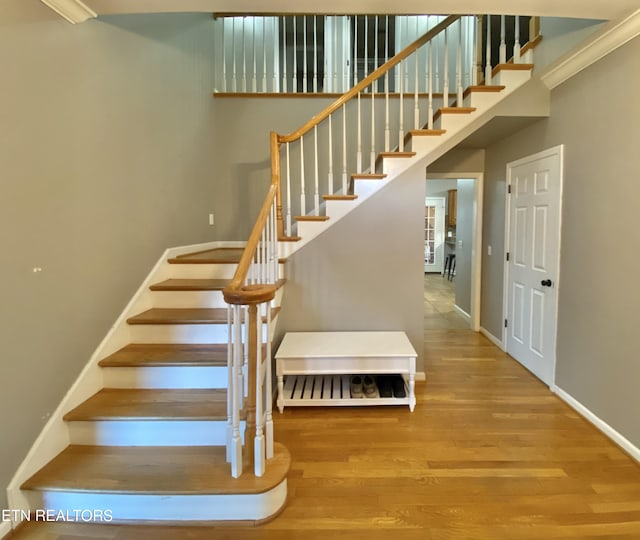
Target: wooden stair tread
x,y
511,67
152,404
185,316
210,256
455,110
158,470
312,218
367,176
191,285
483,89
167,354
289,238
427,132
339,197
397,154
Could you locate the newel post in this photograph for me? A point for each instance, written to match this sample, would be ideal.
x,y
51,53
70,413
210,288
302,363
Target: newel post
x,y
275,180
252,339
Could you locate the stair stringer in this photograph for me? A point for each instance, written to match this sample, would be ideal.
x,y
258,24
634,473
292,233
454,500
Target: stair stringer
x,y
55,436
526,97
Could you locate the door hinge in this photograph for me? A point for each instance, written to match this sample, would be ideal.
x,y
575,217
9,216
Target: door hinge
x,y
506,323
507,256
509,189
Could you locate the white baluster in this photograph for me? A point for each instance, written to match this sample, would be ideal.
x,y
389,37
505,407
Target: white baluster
x,y
264,54
436,56
401,126
387,129
375,52
502,51
284,54
230,348
445,70
359,140
234,84
245,366
315,55
316,194
430,85
276,52
416,104
477,62
258,442
304,54
254,80
372,168
268,390
244,57
294,75
516,45
303,201
330,173
237,393
459,97
399,30
288,192
355,50
487,67
344,149
224,59
365,43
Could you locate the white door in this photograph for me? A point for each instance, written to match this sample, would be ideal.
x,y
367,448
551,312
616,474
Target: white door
x,y
434,234
533,260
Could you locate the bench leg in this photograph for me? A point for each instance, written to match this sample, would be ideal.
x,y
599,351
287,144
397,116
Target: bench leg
x,y
280,400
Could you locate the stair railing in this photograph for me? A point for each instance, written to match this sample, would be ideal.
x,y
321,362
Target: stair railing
x,y
249,296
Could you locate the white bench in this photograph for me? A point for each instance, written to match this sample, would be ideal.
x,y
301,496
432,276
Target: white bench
x,y
314,368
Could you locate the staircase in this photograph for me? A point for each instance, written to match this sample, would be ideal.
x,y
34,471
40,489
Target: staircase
x,y
151,444
174,409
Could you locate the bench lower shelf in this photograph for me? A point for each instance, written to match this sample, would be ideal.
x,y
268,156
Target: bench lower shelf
x,y
328,391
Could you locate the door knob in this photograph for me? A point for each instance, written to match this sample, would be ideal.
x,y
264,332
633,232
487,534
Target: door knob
x,y
546,283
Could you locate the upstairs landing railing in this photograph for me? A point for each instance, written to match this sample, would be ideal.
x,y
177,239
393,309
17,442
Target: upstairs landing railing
x,y
253,287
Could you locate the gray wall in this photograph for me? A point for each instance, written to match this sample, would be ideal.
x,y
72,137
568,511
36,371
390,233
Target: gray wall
x,y
106,160
594,115
365,272
464,242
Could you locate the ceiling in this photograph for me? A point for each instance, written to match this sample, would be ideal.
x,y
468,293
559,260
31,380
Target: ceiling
x,y
589,9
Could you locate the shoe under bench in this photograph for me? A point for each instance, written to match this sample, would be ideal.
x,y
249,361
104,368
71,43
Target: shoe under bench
x,y
314,368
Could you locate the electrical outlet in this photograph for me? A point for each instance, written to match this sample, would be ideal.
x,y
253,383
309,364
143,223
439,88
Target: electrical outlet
x,y
489,250
211,219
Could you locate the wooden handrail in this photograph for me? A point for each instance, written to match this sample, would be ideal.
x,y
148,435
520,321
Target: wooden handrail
x,y
373,76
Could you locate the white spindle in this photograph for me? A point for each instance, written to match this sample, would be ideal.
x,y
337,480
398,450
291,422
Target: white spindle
x,y
330,173
344,149
224,62
244,56
284,54
264,55
487,67
304,54
430,85
401,126
276,52
316,193
288,191
459,96
268,390
416,104
230,372
303,202
355,50
294,75
365,44
387,129
359,140
258,442
237,393
315,55
399,30
372,168
437,62
503,42
406,71
445,70
516,45
477,62
234,85
254,80
375,52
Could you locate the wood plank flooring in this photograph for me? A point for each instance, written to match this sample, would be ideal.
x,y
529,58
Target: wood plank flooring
x,y
488,454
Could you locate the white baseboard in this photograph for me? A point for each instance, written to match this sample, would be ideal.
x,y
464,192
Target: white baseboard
x,y
493,339
5,529
421,376
462,313
614,435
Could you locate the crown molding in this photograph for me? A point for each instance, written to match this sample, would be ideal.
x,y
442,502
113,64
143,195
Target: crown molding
x,y
608,39
73,10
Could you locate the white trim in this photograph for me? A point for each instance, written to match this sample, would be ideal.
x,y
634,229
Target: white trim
x,y
421,376
493,339
462,313
476,244
605,428
54,437
73,11
608,39
5,529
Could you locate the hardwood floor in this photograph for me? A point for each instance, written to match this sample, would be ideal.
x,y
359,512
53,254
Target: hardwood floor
x,y
489,453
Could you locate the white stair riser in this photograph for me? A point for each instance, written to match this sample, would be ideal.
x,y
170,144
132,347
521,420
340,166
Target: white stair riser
x,y
311,229
166,507
337,209
423,144
482,100
188,299
511,79
179,333
174,377
453,121
149,432
395,166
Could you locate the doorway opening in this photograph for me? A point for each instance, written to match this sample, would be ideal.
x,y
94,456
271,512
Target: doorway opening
x,y
453,236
